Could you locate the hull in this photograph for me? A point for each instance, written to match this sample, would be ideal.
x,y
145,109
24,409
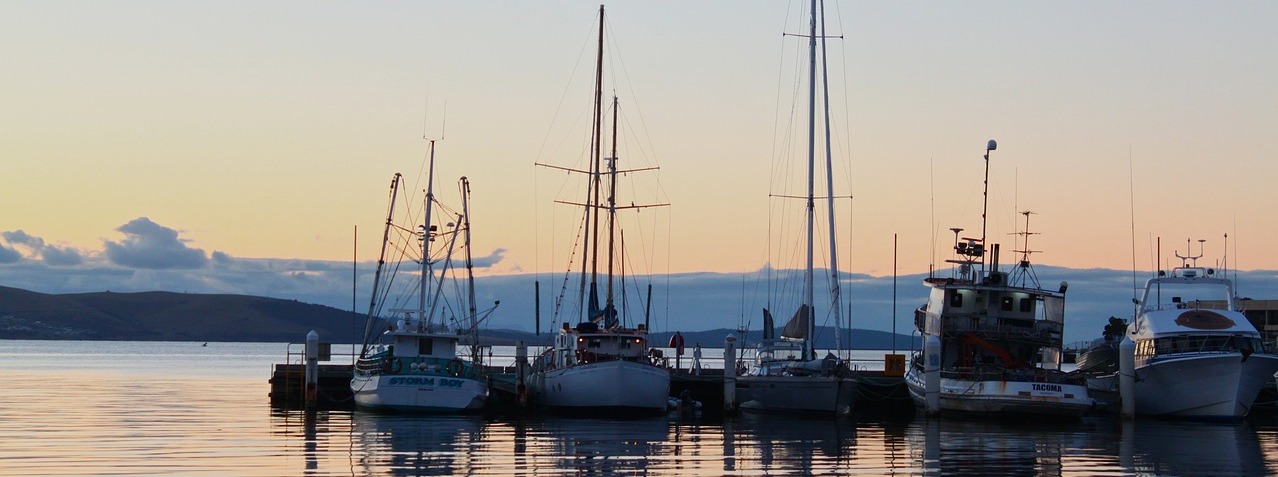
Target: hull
x,y
995,397
419,393
796,394
621,386
1210,386
1102,357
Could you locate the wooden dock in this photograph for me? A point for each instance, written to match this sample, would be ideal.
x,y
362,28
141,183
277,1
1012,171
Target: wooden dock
x,y
876,392
288,387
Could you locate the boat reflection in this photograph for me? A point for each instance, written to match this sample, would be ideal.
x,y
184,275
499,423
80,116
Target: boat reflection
x,y
1159,447
597,446
776,443
402,444
984,447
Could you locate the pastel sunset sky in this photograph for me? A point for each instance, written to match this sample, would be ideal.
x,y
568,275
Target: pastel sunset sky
x,y
268,130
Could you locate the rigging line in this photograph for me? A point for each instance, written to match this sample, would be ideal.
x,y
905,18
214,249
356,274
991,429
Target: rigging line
x,y
1131,197
568,86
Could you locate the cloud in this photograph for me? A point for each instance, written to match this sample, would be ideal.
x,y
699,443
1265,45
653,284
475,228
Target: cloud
x,y
490,260
52,255
149,245
8,255
19,237
61,257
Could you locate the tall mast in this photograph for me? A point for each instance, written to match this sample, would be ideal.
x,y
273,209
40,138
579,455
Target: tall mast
x,y
829,185
591,242
985,200
470,274
807,276
427,274
612,201
381,260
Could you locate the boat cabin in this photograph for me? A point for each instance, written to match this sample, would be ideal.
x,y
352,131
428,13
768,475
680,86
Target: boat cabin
x,y
993,310
586,343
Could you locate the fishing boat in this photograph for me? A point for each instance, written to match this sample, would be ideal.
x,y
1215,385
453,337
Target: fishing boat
x,y
1195,354
993,339
786,376
409,360
600,365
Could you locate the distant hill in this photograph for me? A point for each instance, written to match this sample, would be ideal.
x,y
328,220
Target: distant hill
x,y
167,316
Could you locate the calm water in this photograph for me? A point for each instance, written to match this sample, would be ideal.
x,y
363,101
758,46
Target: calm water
x,y
125,408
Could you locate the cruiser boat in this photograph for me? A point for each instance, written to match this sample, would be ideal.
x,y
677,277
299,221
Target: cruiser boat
x,y
410,361
600,365
786,375
993,339
1196,354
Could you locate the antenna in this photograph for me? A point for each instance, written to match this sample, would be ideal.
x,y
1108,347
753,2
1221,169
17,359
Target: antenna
x,y
1190,260
426,119
985,203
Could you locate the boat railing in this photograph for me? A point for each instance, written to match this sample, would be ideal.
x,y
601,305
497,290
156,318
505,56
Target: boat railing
x,y
295,353
1002,328
996,373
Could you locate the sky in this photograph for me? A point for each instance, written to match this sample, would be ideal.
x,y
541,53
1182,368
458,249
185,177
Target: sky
x,y
149,143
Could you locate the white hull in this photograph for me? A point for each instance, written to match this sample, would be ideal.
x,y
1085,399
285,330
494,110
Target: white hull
x,y
1003,397
796,394
1203,386
418,393
607,385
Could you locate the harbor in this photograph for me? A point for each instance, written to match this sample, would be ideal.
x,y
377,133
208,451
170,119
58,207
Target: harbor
x,y
877,389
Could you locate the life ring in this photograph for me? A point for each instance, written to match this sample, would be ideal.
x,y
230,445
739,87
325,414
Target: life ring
x,y
455,367
393,366
676,342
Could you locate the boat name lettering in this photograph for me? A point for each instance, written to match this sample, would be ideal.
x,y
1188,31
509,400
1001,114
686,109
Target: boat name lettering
x,y
1047,387
441,383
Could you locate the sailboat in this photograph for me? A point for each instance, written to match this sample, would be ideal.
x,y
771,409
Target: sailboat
x,y
993,339
409,361
600,365
786,375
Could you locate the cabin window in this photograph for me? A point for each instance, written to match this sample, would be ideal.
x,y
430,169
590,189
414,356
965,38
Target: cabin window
x,y
425,347
594,343
956,300
1027,305
1006,303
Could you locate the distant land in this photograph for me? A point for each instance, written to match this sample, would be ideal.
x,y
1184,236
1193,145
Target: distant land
x,y
169,316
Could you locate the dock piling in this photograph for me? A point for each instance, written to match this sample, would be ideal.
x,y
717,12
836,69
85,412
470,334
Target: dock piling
x,y
729,374
312,369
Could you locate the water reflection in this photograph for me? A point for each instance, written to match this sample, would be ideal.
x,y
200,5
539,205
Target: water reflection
x,y
120,414
1191,448
774,443
414,445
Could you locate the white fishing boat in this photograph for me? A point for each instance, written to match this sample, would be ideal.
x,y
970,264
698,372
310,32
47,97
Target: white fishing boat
x,y
410,360
786,376
1195,354
600,365
992,340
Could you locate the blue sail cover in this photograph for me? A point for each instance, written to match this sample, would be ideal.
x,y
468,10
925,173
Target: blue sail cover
x,y
607,315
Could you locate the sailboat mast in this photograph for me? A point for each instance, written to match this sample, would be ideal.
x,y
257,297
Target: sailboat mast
x,y
427,274
835,292
612,201
590,244
807,276
470,274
